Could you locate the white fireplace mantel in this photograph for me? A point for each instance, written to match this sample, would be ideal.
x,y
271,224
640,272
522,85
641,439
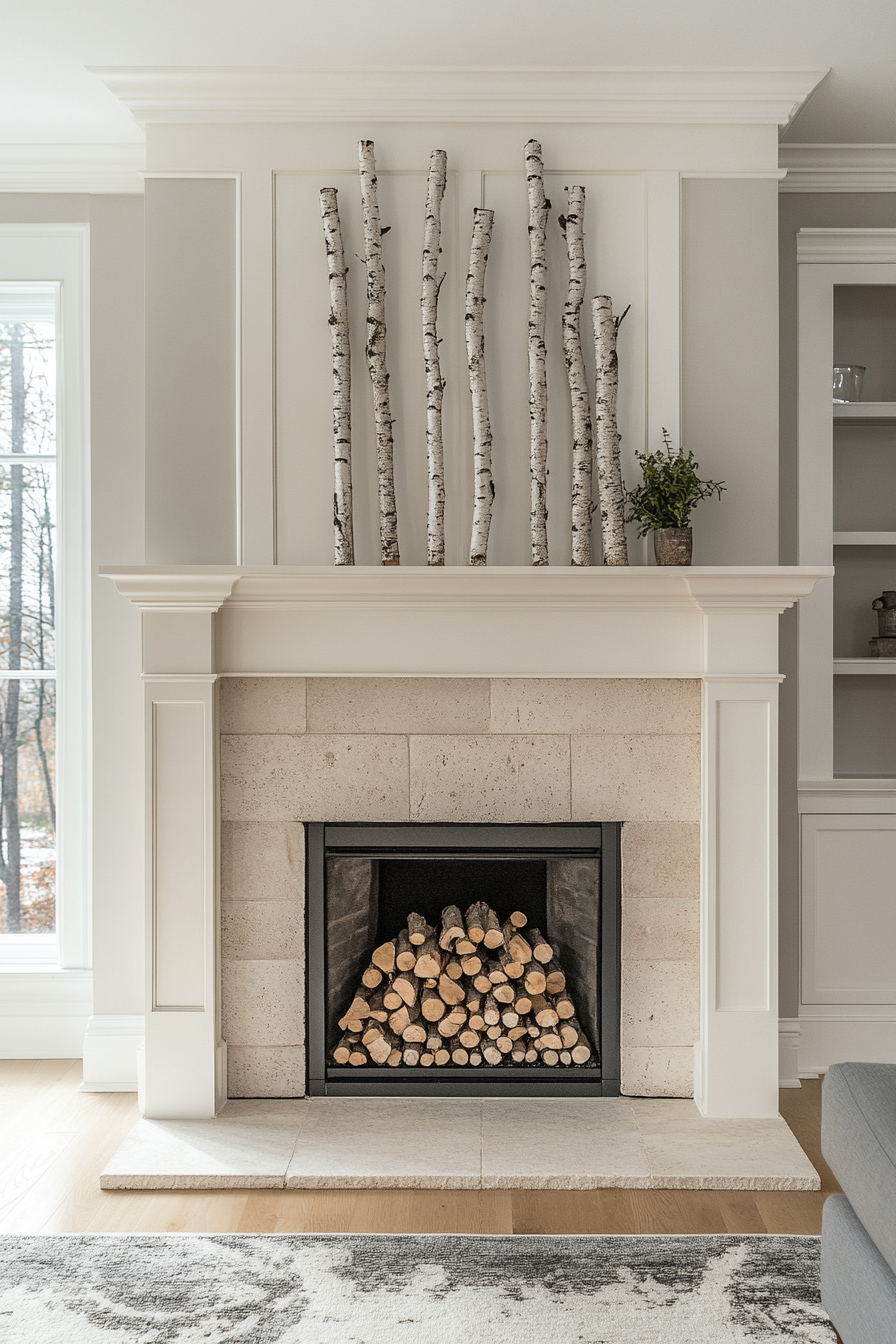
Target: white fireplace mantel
x,y
716,624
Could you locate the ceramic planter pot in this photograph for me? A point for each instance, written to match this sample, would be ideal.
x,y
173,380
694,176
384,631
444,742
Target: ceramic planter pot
x,y
673,545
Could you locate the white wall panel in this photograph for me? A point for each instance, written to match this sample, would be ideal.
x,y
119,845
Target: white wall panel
x,y
849,910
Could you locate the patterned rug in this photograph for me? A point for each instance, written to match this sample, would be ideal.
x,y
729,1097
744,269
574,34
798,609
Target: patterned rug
x,y
410,1290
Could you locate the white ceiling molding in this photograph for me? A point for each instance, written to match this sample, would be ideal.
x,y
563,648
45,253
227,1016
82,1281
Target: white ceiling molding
x,y
98,169
830,247
838,167
480,94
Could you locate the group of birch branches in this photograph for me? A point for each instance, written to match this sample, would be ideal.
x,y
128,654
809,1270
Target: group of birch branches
x,y
601,446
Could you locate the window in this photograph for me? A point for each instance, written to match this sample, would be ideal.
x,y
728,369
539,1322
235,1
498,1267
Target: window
x,y
28,612
44,675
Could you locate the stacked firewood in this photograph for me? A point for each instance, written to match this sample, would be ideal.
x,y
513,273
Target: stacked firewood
x,y
477,992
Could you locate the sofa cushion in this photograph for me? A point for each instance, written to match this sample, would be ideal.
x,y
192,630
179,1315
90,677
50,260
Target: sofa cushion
x,y
858,1289
858,1139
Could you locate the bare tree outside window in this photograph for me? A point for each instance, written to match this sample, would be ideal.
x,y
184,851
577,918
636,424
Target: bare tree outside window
x,y
27,626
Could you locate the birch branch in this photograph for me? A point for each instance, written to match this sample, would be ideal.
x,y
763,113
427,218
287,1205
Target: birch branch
x,y
483,485
429,304
376,353
538,383
606,435
574,228
343,523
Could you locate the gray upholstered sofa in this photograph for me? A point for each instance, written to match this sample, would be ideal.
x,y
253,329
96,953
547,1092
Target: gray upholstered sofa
x,y
858,1237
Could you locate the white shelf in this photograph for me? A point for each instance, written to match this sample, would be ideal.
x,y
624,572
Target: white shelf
x,y
864,667
865,412
864,538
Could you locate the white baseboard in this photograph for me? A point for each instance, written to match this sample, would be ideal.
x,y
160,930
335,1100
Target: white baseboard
x,y
833,1038
44,1012
110,1053
789,1052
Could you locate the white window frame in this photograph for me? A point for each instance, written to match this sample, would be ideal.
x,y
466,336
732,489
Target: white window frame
x,y
60,254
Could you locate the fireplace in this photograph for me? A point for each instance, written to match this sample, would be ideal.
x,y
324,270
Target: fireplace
x,y
412,696
469,1028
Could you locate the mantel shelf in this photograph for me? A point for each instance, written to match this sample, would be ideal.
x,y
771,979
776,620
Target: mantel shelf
x,y
865,412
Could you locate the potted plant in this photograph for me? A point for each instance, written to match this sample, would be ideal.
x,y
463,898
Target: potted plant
x,y
663,504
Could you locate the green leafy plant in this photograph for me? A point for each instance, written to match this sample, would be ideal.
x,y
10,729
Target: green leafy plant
x,y
670,491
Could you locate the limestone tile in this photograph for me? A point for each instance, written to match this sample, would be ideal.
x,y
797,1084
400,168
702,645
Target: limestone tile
x,y
247,1146
636,777
398,705
661,859
660,1071
560,1143
661,930
402,1142
687,1151
259,1071
262,931
261,704
314,778
660,1003
263,861
595,705
262,1003
512,778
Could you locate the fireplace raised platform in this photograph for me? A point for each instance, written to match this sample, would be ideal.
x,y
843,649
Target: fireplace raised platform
x,y
511,639
556,1144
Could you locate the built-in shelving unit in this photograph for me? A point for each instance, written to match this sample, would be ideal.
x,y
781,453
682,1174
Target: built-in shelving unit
x,y
847,697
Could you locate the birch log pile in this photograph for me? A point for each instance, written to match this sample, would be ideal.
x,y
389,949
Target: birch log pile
x,y
539,207
474,331
435,386
343,523
376,353
606,435
573,226
464,1000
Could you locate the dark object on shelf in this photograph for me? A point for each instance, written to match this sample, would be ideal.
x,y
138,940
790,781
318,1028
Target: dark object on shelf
x,y
673,545
884,646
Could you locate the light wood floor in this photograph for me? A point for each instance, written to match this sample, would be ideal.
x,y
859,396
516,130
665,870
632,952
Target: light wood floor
x,y
54,1141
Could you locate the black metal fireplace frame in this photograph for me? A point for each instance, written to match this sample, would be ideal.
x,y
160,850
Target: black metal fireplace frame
x,y
539,841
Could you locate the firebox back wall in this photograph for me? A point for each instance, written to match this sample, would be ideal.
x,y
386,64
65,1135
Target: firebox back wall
x,y
296,749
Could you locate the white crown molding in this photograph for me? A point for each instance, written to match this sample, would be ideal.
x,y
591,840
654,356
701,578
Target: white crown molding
x,y
98,169
462,94
831,247
838,167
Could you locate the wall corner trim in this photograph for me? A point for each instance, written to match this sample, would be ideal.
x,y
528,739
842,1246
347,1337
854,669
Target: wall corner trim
x,y
104,169
840,168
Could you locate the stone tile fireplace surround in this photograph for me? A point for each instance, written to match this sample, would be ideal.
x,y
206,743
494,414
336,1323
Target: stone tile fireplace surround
x,y
297,749
282,695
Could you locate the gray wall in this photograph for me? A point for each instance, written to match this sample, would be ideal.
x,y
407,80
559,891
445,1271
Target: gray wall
x,y
730,364
116,418
799,210
191,350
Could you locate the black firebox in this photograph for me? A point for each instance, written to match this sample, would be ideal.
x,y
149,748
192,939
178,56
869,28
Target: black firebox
x,y
363,880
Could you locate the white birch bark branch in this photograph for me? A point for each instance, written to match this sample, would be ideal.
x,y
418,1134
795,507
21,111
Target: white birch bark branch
x,y
483,485
343,523
575,373
376,353
606,436
538,384
429,304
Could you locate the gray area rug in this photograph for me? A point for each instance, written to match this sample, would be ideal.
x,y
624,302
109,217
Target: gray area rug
x,y
305,1289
